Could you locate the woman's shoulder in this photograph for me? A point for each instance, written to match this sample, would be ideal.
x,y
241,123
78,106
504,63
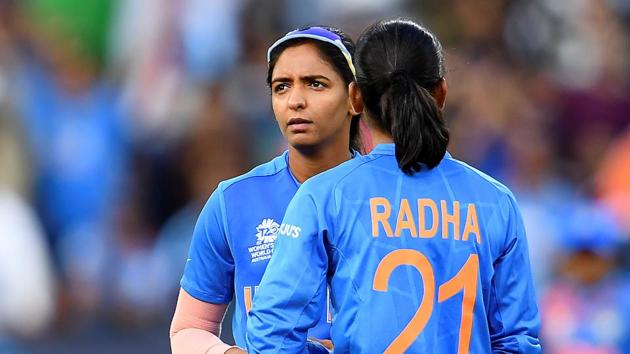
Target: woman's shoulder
x,y
242,187
329,179
469,175
257,174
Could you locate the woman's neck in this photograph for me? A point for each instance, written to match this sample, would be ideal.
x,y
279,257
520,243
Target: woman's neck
x,y
306,163
380,137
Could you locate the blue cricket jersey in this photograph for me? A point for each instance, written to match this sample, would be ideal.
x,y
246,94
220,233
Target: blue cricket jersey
x,y
436,262
234,238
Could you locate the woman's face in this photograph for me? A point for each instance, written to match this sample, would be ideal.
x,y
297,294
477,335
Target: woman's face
x,y
310,99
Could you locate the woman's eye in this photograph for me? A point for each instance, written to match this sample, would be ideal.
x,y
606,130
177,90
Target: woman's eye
x,y
317,84
280,87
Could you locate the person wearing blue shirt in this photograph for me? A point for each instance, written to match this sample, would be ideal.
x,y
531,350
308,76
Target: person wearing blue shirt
x,y
422,253
317,106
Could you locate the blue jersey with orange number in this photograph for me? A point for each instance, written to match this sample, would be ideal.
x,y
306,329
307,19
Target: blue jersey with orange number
x,y
436,262
234,238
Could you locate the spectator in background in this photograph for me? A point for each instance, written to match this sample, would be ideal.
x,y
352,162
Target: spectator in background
x,y
583,50
586,309
27,301
167,54
76,133
613,181
147,280
15,173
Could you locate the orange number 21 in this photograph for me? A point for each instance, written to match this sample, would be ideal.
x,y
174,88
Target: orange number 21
x,y
465,280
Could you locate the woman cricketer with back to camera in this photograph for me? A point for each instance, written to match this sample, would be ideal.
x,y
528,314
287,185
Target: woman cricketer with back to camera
x,y
423,253
317,105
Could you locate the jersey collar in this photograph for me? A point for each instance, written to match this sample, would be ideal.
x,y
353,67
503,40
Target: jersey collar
x,y
390,149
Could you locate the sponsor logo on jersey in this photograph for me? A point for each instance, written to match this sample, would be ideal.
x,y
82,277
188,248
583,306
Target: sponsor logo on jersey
x,y
290,230
266,234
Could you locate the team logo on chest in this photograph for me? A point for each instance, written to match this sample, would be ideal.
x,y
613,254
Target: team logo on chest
x,y
266,234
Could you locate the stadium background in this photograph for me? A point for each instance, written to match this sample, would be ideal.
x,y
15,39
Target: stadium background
x,y
118,118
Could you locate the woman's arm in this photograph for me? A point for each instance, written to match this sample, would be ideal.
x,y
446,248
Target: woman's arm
x,y
513,312
196,325
288,301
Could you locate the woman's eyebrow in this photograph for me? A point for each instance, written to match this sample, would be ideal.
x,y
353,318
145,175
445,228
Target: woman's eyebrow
x,y
313,77
306,78
280,79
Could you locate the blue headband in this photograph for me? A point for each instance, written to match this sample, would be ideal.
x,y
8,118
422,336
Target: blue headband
x,y
320,34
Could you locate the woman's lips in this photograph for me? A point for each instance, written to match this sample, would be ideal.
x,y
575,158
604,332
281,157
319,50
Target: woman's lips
x,y
297,125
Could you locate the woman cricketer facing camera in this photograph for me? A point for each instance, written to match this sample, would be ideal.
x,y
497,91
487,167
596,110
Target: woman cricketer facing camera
x,y
423,253
317,105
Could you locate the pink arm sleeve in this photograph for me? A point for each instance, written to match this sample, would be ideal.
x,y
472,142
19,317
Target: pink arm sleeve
x,y
195,327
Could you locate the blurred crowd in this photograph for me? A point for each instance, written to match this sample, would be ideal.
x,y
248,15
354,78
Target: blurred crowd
x,y
118,119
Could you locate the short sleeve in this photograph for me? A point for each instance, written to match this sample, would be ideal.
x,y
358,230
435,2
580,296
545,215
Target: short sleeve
x,y
209,271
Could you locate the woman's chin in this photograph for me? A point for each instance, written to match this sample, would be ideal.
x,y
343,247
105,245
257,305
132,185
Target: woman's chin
x,y
302,141
305,146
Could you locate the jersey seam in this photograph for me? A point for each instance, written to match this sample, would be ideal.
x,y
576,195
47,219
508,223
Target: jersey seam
x,y
345,259
243,178
486,178
354,168
496,301
507,249
322,277
226,235
334,189
494,286
230,182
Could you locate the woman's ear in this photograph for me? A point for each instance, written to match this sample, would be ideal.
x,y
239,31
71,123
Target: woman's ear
x,y
356,100
439,93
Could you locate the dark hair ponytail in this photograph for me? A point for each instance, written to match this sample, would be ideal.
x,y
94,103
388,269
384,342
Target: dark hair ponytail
x,y
415,123
398,64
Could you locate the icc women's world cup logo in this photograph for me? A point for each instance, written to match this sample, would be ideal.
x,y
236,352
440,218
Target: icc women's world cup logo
x,y
266,234
267,231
